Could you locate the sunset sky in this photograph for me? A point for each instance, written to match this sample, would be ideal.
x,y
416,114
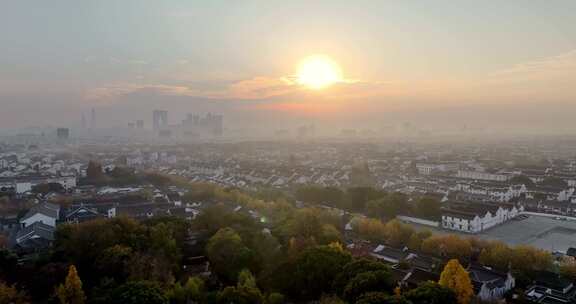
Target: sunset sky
x,y
482,62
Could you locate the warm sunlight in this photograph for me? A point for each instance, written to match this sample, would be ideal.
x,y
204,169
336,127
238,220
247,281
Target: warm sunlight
x,y
318,72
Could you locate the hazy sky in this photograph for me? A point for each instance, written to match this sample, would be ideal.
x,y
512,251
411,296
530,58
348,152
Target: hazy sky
x,y
482,62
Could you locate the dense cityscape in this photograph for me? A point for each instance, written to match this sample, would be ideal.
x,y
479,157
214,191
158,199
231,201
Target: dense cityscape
x,y
408,205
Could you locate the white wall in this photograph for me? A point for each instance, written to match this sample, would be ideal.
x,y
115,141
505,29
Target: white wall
x,y
39,217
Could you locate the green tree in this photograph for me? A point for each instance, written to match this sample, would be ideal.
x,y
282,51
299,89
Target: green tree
x,y
317,268
388,206
521,180
71,291
139,292
553,181
357,197
275,298
455,277
192,291
417,238
369,281
380,298
431,293
245,291
228,254
113,261
354,268
397,234
428,207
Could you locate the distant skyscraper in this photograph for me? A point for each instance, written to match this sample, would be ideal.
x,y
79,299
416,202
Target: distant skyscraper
x,y
93,119
83,122
159,119
140,124
211,124
63,133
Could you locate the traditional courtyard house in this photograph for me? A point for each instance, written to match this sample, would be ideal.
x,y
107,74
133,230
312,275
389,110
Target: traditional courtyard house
x,y
45,213
391,255
34,237
490,285
81,214
549,287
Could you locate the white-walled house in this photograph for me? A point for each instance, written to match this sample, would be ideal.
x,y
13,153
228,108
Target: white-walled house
x,y
45,213
490,285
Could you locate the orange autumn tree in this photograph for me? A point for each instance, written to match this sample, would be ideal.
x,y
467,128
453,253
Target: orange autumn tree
x,y
71,291
455,277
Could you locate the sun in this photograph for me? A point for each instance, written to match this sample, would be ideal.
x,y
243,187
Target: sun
x,y
318,72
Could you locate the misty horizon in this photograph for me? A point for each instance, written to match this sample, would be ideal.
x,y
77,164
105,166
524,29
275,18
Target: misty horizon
x,y
438,66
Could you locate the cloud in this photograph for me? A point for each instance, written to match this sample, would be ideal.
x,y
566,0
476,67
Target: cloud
x,y
548,78
552,78
256,88
116,91
544,67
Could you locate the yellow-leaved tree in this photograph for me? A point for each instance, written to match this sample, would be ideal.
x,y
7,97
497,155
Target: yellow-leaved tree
x,y
455,277
71,291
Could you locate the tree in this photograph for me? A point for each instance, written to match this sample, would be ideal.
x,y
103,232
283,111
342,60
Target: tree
x,y
431,293
237,295
369,281
450,246
428,207
497,255
330,299
354,268
397,234
71,291
357,197
380,298
567,268
113,261
192,290
455,277
521,180
329,235
416,239
228,254
94,171
553,181
317,268
275,298
11,295
388,206
138,292
245,291
8,264
306,224
371,229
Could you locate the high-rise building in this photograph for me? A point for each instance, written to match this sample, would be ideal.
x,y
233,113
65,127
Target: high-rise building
x,y
159,119
140,124
211,124
83,122
93,119
63,133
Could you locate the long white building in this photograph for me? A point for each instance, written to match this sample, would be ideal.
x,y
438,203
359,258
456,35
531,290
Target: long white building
x,y
478,218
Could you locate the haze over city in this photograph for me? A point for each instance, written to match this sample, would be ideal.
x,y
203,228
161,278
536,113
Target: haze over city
x,y
437,65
